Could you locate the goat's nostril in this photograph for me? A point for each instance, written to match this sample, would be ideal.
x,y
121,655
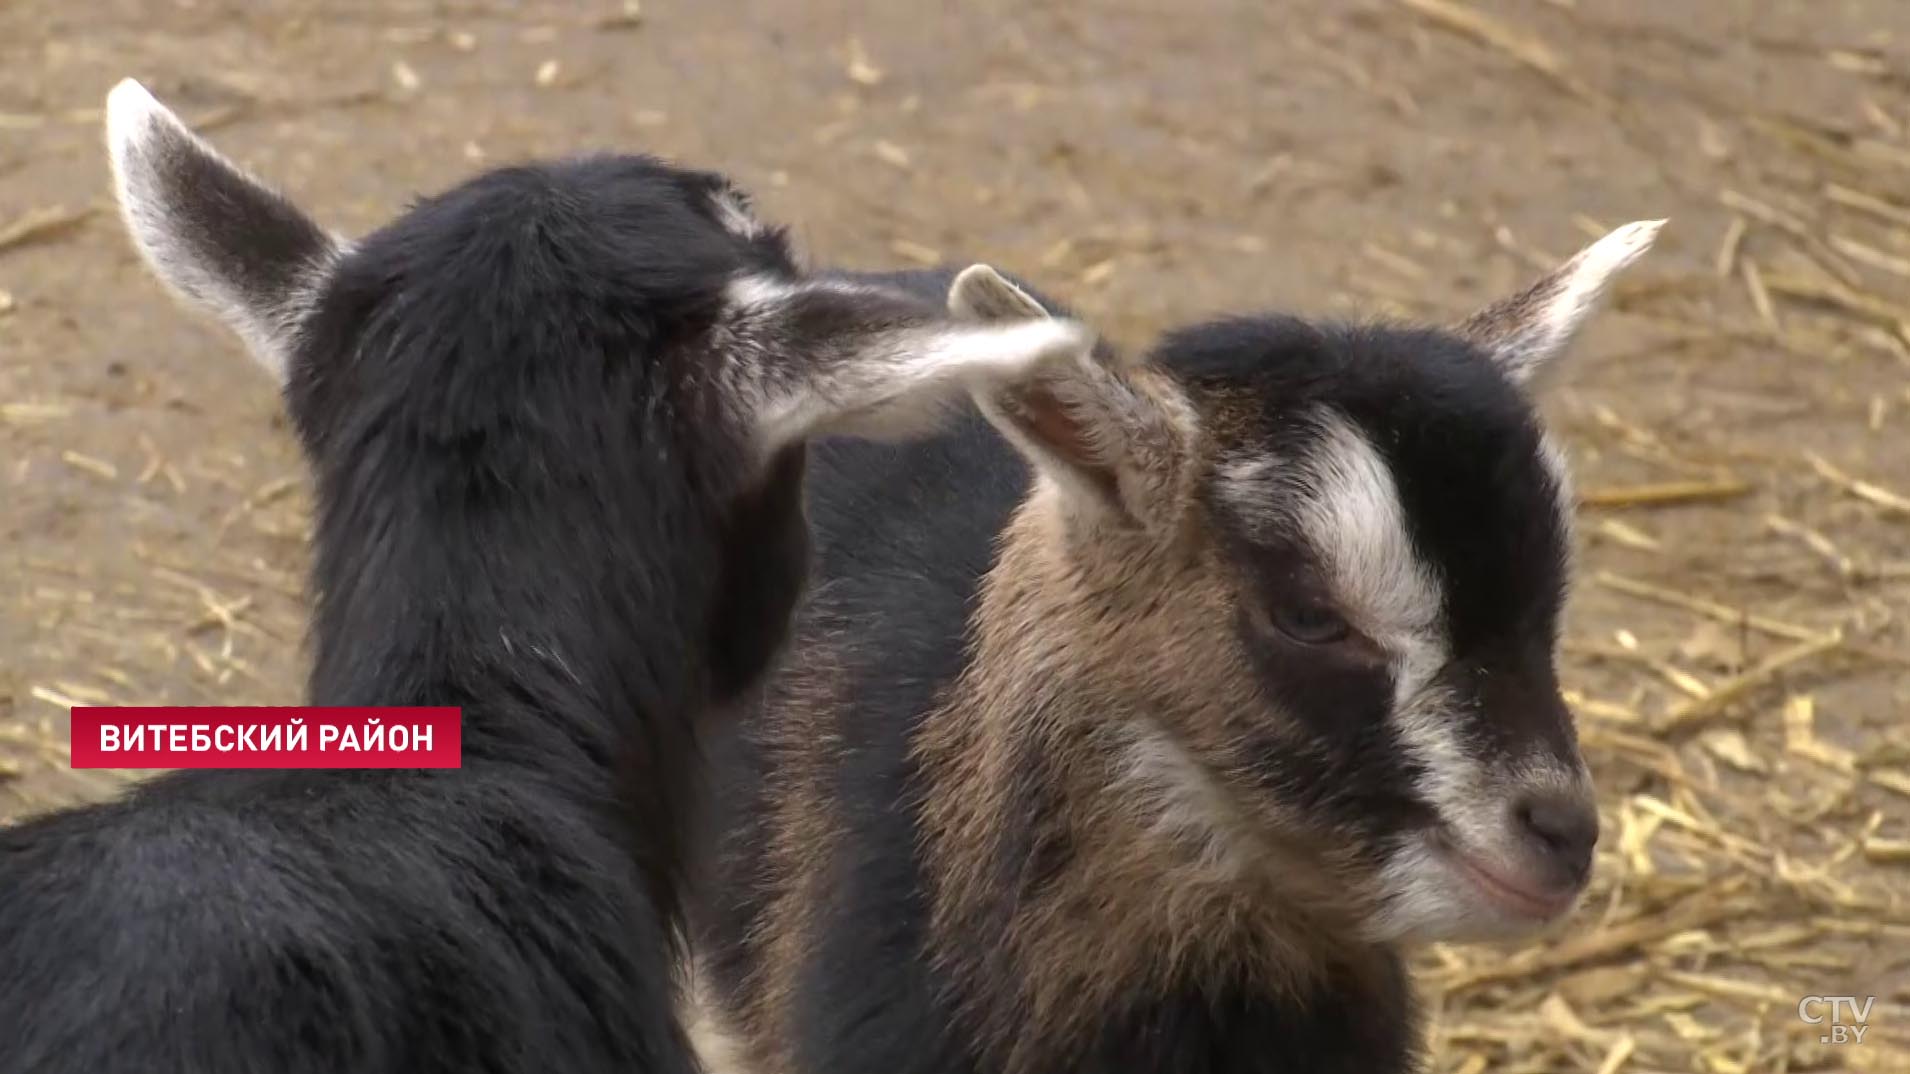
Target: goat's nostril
x,y
1565,826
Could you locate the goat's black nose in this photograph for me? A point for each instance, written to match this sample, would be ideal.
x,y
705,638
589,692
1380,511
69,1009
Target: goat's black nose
x,y
1562,828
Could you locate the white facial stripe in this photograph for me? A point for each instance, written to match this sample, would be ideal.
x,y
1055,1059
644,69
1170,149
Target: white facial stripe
x,y
1560,469
1349,509
1345,502
1451,781
1471,796
1350,512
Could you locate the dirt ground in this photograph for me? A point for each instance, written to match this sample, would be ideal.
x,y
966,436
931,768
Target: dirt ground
x,y
1738,649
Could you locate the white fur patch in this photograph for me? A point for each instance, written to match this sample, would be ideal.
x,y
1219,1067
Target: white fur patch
x,y
1186,805
1559,468
982,294
734,214
1451,780
1547,775
1252,485
719,1048
135,124
1589,273
757,296
1424,898
1528,332
1352,516
892,382
1424,894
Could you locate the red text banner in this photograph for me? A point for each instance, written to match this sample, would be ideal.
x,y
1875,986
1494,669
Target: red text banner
x,y
266,737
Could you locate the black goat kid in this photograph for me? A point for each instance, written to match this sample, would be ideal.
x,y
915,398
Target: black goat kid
x,y
556,419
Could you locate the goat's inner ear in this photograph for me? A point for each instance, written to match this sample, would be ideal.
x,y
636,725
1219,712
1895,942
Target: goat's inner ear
x,y
1052,425
1059,442
1116,449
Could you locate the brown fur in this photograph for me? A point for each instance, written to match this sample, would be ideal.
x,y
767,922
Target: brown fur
x,y
1064,664
803,835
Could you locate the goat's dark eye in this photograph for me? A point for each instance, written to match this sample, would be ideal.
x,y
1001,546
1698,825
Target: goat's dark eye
x,y
1310,623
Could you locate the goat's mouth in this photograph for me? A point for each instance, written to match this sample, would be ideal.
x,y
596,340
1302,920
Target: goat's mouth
x,y
1517,896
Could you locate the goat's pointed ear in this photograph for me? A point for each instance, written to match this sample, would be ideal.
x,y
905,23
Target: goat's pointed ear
x,y
830,357
1526,332
980,293
215,235
1118,442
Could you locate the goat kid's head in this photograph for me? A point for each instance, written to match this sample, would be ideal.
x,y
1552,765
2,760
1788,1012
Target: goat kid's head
x,y
1319,569
522,326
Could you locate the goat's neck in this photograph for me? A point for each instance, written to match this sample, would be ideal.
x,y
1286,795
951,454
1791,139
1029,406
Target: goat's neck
x,y
556,641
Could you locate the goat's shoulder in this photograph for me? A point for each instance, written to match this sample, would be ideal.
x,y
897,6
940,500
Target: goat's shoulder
x,y
384,920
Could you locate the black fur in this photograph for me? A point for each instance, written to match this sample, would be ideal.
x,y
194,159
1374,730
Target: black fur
x,y
1342,1027
530,505
904,535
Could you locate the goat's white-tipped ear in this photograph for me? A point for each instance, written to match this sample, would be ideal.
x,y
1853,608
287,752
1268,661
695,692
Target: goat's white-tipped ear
x,y
980,293
215,235
1526,332
831,357
1118,443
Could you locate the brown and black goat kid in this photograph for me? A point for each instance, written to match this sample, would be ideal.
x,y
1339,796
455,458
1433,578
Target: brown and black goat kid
x,y
1142,730
556,420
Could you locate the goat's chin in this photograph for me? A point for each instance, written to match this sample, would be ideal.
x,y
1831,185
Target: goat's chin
x,y
1426,894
